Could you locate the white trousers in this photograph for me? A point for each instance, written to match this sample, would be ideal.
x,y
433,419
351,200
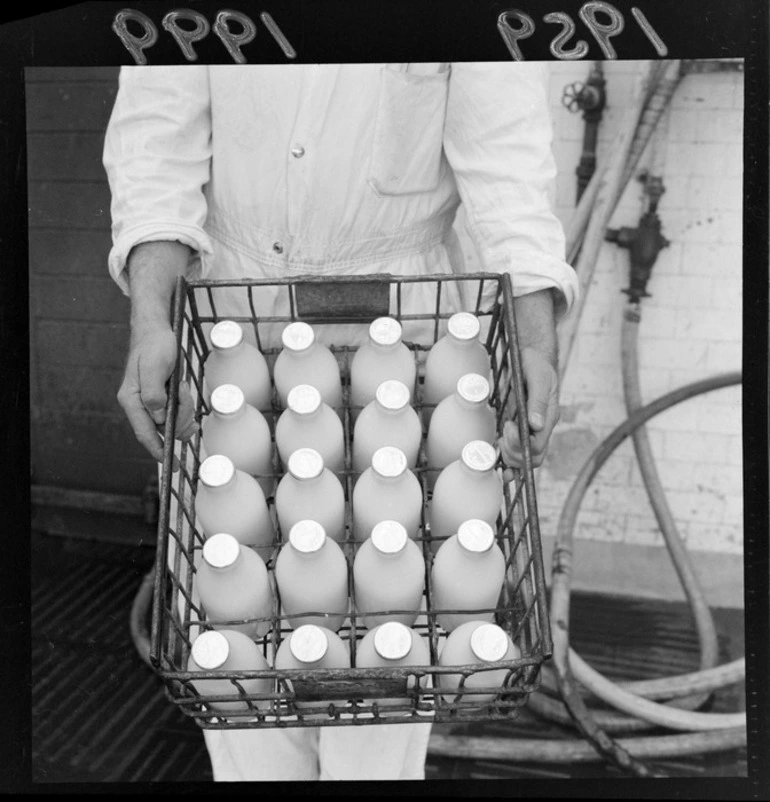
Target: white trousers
x,y
348,752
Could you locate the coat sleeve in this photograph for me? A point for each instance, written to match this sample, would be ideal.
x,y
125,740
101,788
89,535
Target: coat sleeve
x,y
497,139
157,155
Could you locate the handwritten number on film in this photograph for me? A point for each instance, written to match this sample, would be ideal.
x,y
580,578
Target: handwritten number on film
x,y
235,29
187,27
515,25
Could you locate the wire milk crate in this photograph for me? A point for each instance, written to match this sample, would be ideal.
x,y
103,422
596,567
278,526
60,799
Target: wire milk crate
x,y
340,308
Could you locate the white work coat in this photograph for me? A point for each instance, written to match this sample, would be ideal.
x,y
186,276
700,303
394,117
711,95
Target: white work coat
x,y
289,170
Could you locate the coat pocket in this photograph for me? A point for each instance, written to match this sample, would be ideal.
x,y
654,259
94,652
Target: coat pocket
x,y
406,155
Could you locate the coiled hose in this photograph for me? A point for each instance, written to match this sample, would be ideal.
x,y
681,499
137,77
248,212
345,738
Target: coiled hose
x,y
688,692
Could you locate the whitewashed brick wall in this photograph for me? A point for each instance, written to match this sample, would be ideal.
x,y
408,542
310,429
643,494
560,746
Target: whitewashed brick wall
x,y
690,326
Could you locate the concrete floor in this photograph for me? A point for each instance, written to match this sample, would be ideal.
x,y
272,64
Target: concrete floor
x,y
99,714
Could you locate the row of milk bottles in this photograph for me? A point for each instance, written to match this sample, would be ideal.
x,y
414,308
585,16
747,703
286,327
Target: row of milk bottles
x,y
389,645
237,478
388,577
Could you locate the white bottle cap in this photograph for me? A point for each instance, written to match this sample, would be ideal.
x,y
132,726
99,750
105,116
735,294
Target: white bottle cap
x,y
210,650
305,463
216,470
308,643
489,643
226,334
389,537
392,394
303,399
392,640
389,461
385,331
298,336
473,388
307,536
464,326
221,550
479,455
476,535
227,399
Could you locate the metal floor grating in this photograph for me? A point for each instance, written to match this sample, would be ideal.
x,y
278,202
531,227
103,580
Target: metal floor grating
x,y
99,714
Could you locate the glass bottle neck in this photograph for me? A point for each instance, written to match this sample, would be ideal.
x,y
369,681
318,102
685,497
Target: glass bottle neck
x,y
230,416
229,353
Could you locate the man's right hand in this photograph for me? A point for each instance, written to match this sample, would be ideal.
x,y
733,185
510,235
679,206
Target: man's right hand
x,y
153,269
143,393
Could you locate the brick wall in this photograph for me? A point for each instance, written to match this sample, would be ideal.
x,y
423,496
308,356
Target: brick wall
x,y
690,327
78,321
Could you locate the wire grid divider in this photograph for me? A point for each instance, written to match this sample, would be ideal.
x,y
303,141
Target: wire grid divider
x,y
336,697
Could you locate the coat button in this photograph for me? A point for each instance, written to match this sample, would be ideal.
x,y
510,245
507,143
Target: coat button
x,y
277,247
298,151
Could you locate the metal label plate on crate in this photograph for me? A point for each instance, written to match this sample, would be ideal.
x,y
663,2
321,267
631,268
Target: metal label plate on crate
x,y
343,301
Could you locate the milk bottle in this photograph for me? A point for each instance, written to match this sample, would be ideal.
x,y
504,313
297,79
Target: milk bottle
x,y
467,488
467,574
309,490
240,432
393,645
305,360
308,422
311,573
311,647
387,490
383,356
388,577
389,420
463,416
229,500
227,650
458,352
470,643
233,584
232,360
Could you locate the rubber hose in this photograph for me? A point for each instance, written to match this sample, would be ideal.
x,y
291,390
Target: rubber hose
x,y
536,750
701,612
544,704
704,621
563,566
670,687
138,616
659,714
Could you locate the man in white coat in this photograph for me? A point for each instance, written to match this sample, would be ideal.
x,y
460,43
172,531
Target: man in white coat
x,y
235,172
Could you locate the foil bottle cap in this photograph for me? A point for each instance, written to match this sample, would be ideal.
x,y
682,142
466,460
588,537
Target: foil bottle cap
x,y
221,550
385,331
305,463
227,399
303,399
308,643
464,326
298,336
216,470
489,643
226,334
392,640
389,537
389,461
476,535
479,455
307,536
392,394
210,650
473,388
